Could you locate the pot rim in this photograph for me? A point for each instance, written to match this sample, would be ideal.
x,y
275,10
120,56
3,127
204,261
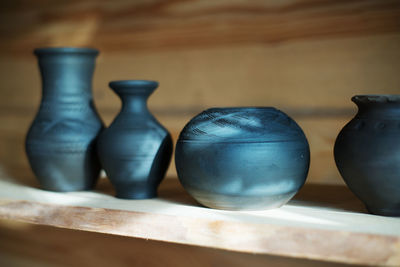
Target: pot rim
x,y
65,50
376,98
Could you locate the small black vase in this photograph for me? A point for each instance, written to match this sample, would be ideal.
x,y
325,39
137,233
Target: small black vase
x,y
60,143
136,149
367,153
242,158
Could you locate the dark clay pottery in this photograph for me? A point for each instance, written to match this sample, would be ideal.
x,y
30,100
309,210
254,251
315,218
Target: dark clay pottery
x,y
136,149
367,153
242,158
60,143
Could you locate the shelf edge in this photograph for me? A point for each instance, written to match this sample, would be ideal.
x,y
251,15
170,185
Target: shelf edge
x,y
316,244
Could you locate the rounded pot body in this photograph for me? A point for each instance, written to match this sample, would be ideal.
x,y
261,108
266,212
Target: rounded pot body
x,y
242,158
136,149
367,153
60,143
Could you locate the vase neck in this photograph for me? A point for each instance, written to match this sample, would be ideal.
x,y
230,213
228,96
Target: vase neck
x,y
134,104
66,75
134,94
378,105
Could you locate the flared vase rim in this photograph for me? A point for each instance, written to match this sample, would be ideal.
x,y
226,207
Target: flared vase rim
x,y
134,84
65,50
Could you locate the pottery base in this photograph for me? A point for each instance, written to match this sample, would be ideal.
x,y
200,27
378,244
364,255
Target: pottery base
x,y
65,176
65,172
236,202
70,188
136,193
384,212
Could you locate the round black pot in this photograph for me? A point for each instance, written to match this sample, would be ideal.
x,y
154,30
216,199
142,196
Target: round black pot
x,y
242,158
367,153
135,150
60,142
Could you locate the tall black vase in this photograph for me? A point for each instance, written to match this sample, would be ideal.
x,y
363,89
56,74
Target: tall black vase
x,y
136,149
60,143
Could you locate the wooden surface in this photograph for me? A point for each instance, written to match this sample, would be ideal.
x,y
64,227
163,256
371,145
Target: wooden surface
x,y
137,25
310,77
31,245
292,54
322,222
304,57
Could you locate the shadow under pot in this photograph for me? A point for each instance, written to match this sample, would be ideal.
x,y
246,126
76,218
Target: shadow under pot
x,y
60,143
367,153
242,158
135,150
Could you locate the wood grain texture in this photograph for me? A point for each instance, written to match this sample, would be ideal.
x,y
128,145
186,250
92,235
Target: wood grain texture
x,y
142,25
303,80
36,245
300,229
306,58
310,75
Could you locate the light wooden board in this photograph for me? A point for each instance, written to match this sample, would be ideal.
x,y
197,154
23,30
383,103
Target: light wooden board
x,y
24,244
334,228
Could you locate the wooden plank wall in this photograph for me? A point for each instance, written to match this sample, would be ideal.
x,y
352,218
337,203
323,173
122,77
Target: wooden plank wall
x,y
306,57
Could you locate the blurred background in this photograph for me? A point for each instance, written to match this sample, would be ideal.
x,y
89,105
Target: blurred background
x,y
305,57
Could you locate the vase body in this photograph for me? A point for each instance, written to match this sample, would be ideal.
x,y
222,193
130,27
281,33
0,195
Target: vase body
x,y
60,143
242,158
136,149
367,153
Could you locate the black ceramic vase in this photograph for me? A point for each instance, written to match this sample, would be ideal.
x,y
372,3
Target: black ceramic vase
x,y
367,153
136,149
242,158
60,143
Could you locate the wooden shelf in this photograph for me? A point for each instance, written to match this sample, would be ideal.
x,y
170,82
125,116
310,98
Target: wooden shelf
x,y
322,222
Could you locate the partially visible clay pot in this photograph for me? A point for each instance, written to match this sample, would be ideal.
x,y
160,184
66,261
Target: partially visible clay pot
x,y
367,153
